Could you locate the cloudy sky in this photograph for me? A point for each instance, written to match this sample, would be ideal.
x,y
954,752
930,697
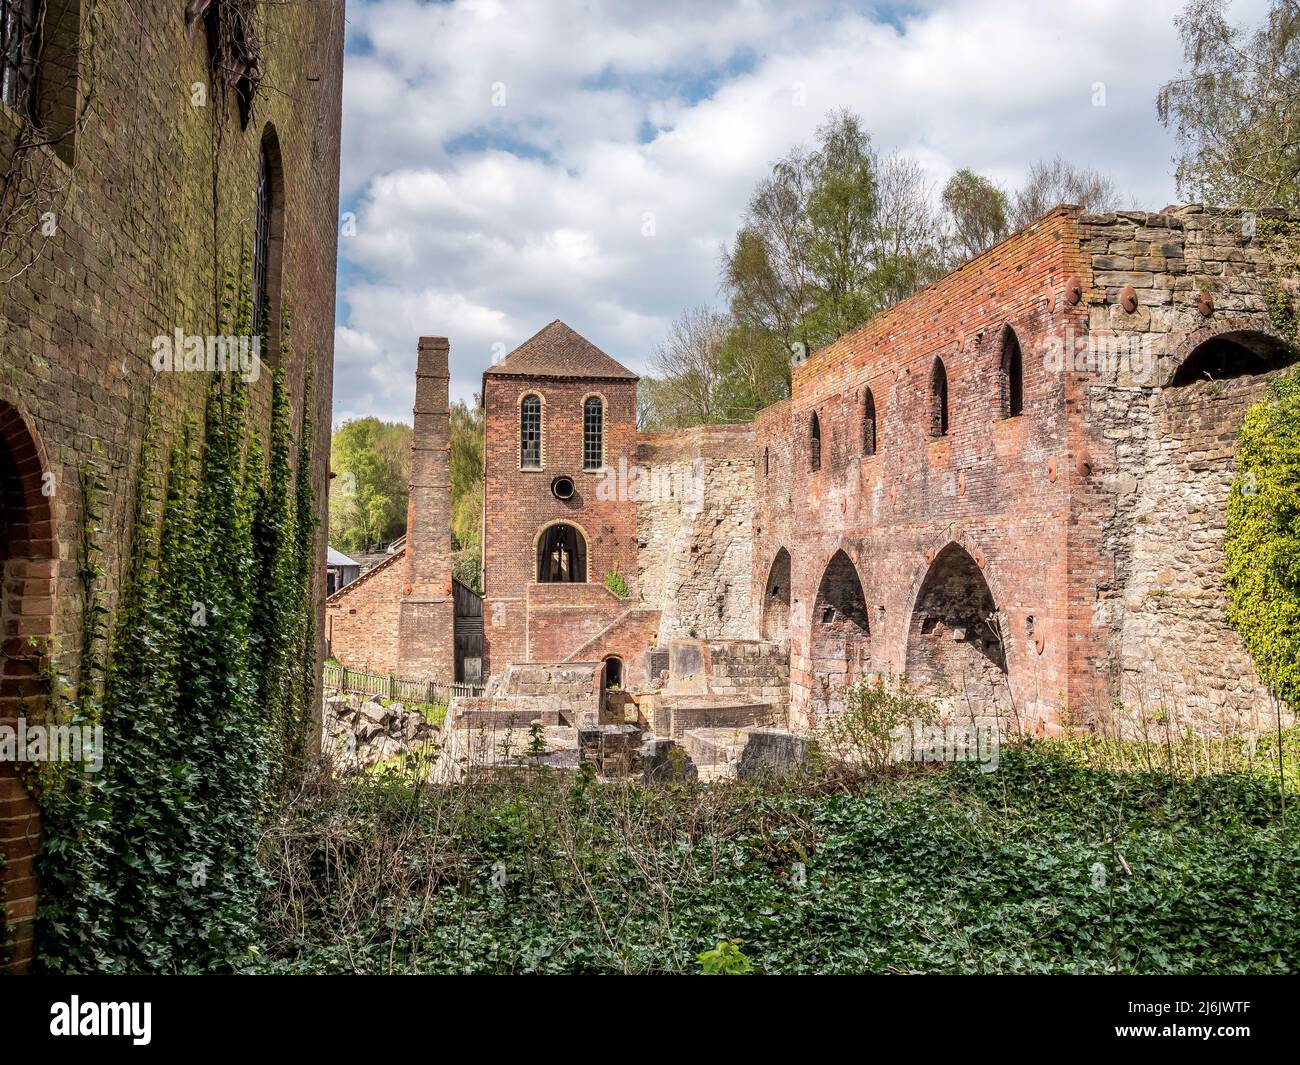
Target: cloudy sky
x,y
509,162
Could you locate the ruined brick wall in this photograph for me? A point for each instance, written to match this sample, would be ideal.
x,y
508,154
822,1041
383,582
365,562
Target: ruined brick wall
x,y
519,504
132,258
695,521
1161,453
362,619
1041,564
995,487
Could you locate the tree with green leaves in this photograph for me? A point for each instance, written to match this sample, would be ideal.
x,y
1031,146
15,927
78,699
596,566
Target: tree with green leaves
x,y
979,211
372,463
1236,107
467,492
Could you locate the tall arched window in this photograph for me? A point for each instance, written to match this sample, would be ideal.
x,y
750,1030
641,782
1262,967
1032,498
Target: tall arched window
x,y
268,245
593,433
938,400
530,432
20,46
767,463
1012,374
261,242
815,443
869,424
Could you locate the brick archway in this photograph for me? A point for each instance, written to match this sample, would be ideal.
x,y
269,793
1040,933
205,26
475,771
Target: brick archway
x,y
27,566
774,622
1255,334
955,642
839,634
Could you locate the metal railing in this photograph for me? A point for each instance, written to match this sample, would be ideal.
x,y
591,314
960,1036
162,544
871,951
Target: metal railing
x,y
340,678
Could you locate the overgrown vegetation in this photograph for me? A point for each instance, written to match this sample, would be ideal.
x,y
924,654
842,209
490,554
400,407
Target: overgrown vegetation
x,y
1047,865
1262,544
151,865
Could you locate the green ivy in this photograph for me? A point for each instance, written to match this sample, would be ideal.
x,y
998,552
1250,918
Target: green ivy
x,y
1262,546
151,865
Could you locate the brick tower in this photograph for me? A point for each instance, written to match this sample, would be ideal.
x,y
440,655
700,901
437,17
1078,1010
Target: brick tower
x,y
426,639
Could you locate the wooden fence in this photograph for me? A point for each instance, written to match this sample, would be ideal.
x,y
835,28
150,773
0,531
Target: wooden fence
x,y
340,678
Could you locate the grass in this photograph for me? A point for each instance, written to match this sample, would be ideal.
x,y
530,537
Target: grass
x,y
1059,862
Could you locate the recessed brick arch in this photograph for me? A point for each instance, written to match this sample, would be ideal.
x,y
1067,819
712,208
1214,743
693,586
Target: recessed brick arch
x,y
956,635
775,621
27,564
839,639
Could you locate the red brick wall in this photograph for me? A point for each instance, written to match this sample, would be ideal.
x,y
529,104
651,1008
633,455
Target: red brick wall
x,y
997,487
362,618
519,504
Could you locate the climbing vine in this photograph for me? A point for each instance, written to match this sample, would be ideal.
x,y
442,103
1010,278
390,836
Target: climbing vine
x,y
151,864
1262,547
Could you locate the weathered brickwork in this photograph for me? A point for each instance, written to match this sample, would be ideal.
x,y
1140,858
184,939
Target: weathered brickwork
x,y
1057,545
136,252
362,619
520,504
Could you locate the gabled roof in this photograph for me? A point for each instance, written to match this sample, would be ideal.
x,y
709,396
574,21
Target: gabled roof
x,y
338,558
558,351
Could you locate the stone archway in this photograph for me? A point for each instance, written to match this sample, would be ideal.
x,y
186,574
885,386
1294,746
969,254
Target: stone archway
x,y
955,638
839,642
775,626
27,564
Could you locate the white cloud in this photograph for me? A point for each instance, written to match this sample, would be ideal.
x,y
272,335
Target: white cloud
x,y
484,223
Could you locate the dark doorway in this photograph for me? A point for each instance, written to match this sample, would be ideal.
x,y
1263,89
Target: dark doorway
x,y
561,555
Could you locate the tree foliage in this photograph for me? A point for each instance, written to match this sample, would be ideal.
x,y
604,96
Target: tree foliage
x,y
467,492
1236,107
979,211
371,460
1262,546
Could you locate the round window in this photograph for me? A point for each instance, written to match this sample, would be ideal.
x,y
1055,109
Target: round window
x,y
562,487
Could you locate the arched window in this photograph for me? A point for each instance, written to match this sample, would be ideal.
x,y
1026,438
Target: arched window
x,y
938,400
767,463
561,555
593,433
869,424
530,432
268,245
815,444
20,48
261,241
1012,374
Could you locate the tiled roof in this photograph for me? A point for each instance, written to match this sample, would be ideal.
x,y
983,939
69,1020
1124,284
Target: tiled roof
x,y
557,351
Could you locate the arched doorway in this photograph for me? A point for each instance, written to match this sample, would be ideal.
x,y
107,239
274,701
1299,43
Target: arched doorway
x,y
26,618
954,641
613,674
840,641
776,600
561,555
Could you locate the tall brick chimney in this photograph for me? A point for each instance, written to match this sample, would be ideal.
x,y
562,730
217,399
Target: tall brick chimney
x,y
426,634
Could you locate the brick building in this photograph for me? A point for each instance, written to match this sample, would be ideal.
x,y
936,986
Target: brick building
x,y
1010,488
1013,486
145,178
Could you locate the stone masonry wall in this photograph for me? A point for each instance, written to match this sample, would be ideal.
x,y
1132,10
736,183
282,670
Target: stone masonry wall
x,y
695,531
1162,455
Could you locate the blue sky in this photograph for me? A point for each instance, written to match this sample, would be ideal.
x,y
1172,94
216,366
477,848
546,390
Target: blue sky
x,y
509,163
